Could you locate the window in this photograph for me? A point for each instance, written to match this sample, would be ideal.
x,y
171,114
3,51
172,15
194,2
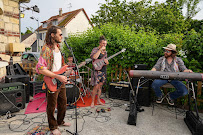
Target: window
x,y
43,36
55,22
40,36
44,25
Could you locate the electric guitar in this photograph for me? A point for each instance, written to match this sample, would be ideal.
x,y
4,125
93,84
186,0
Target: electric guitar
x,y
54,84
99,63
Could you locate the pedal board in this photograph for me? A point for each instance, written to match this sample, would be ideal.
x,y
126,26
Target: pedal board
x,y
194,124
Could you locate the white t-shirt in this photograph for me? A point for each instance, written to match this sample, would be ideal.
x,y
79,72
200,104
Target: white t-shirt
x,y
57,61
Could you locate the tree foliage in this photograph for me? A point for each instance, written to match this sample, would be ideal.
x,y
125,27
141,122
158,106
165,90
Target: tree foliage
x,y
162,17
144,47
28,31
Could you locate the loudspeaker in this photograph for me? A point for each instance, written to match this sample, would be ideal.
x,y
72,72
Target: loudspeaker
x,y
20,78
12,97
144,92
140,67
119,90
194,124
35,87
18,70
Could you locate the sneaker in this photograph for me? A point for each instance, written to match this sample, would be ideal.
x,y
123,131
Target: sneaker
x,y
160,99
170,101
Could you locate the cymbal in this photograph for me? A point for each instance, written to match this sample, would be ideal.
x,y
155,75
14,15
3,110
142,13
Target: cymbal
x,y
84,72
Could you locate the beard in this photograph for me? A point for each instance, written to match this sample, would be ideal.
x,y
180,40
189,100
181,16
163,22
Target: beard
x,y
57,41
167,56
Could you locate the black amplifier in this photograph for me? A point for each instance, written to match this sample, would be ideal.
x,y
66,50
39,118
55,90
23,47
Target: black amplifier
x,y
144,91
20,78
119,90
12,97
35,87
194,123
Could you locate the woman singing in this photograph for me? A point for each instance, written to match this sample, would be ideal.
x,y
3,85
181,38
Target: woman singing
x,y
98,78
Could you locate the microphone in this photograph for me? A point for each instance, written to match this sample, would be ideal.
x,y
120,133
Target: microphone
x,y
66,38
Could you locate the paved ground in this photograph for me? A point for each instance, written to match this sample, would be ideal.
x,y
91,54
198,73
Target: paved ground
x,y
113,122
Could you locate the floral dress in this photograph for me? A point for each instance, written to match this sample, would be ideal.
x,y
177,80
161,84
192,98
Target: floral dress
x,y
98,76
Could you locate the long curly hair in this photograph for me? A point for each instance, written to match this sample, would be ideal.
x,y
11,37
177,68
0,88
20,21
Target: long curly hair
x,y
49,40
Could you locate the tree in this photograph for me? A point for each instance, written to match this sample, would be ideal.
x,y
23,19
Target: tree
x,y
28,31
163,17
168,17
197,25
192,9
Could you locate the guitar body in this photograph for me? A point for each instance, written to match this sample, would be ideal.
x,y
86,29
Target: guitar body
x,y
51,82
98,64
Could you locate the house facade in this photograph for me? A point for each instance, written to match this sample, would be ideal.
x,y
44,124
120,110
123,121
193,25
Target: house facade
x,y
74,22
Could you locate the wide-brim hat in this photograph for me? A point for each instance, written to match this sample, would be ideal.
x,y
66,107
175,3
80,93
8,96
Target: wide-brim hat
x,y
171,47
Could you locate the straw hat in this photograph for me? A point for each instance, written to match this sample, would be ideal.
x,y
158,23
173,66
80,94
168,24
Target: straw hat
x,y
171,47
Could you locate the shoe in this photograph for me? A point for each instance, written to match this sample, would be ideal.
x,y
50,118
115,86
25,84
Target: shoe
x,y
170,101
160,99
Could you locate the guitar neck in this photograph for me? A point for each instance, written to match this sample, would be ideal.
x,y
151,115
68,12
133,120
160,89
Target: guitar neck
x,y
114,55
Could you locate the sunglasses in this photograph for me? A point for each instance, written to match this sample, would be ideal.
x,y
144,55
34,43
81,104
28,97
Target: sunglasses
x,y
167,51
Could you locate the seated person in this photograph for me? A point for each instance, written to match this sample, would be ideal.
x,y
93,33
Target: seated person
x,y
170,63
75,71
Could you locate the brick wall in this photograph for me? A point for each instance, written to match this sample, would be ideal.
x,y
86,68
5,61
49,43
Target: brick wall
x,y
9,33
9,25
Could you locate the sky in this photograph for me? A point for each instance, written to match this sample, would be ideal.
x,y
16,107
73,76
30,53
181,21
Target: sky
x,y
50,8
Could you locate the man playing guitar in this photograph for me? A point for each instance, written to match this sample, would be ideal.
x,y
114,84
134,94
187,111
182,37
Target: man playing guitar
x,y
98,77
51,61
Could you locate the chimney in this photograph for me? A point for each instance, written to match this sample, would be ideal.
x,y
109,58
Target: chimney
x,y
60,11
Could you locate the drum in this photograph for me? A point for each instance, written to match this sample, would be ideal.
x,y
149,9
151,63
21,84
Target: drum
x,y
72,93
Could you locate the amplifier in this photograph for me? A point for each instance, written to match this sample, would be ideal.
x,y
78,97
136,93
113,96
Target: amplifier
x,y
119,90
144,92
12,97
194,124
35,87
140,67
20,78
11,86
144,96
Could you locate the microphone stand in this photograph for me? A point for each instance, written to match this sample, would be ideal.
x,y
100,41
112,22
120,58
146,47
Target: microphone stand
x,y
76,132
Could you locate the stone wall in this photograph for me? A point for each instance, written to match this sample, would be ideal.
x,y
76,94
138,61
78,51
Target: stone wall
x,y
9,34
9,25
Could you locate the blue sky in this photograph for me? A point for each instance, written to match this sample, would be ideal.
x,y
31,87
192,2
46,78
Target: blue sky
x,y
50,8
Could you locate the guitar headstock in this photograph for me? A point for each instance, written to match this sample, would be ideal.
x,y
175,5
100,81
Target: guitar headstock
x,y
88,60
123,50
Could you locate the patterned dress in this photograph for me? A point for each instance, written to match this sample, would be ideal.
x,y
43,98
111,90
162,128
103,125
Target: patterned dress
x,y
98,76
